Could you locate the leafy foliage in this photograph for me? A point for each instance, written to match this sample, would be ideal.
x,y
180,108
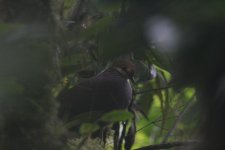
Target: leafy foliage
x,y
112,31
89,35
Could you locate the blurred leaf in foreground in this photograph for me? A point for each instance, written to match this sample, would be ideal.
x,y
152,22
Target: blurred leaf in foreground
x,y
117,115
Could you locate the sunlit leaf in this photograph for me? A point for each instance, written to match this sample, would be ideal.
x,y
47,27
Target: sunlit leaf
x,y
189,92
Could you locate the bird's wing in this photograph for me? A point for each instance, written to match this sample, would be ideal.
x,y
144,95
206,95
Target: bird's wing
x,y
104,92
113,92
75,100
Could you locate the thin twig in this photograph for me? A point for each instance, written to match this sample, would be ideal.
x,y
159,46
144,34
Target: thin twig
x,y
158,119
152,90
162,128
177,121
167,145
152,123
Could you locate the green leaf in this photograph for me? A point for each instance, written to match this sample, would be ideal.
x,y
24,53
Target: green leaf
x,y
117,115
87,128
83,117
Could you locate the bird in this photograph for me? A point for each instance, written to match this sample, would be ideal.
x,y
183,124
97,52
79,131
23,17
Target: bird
x,y
109,90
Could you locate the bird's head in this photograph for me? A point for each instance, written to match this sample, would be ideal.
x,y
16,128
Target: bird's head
x,y
125,67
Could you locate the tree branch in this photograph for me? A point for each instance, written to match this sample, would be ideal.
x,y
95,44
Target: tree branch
x,y
177,121
167,145
152,123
